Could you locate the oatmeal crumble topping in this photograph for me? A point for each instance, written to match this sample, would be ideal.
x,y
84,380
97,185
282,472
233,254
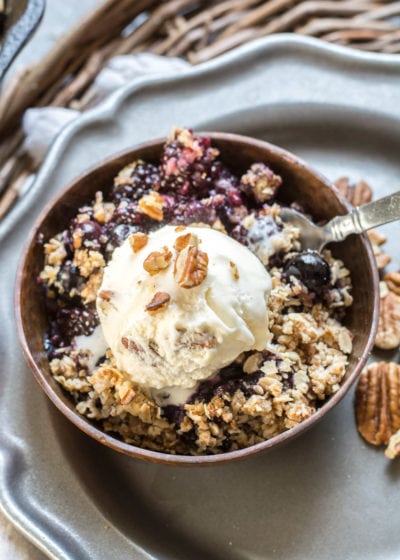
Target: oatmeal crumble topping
x,y
262,393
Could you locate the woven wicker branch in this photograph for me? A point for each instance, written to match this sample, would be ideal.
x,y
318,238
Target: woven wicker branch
x,y
194,29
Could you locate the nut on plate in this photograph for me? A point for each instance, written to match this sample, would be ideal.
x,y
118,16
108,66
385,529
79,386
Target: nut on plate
x,y
393,449
377,402
356,193
388,332
392,280
377,240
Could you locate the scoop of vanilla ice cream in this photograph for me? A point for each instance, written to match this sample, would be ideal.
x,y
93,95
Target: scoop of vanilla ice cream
x,y
188,333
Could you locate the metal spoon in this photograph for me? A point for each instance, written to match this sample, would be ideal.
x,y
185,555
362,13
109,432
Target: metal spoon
x,y
360,219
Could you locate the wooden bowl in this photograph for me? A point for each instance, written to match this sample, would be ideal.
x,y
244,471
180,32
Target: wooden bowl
x,y
300,182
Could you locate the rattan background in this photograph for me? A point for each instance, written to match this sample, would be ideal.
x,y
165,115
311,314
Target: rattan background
x,y
197,30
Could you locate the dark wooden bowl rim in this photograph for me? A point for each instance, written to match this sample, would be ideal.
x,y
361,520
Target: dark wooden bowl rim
x,y
176,460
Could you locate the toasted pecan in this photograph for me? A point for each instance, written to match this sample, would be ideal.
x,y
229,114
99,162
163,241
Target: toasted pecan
x,y
191,267
159,302
157,261
138,240
377,402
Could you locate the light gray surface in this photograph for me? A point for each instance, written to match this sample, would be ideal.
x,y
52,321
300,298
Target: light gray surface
x,y
324,496
59,16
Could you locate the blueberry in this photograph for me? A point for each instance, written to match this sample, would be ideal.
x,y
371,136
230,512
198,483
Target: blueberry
x,y
174,414
89,232
310,268
68,277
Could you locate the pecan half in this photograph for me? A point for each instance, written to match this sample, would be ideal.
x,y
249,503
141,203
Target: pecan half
x,y
138,240
159,302
388,333
377,239
377,402
152,205
356,193
157,261
191,267
392,280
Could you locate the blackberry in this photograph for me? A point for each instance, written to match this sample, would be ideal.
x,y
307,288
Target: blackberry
x,y
198,212
76,321
135,181
128,214
186,164
310,268
222,178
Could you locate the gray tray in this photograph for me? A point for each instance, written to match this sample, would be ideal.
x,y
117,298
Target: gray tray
x,y
326,495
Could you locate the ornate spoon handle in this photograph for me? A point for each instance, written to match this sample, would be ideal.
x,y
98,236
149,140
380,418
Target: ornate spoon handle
x,y
364,218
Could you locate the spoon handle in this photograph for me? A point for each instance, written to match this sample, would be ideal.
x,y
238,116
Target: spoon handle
x,y
365,217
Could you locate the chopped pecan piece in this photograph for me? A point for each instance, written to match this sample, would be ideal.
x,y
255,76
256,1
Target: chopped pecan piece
x,y
157,261
377,239
105,294
152,205
102,211
180,228
184,240
357,193
377,402
388,333
127,396
159,302
234,270
190,267
392,280
197,339
130,344
138,240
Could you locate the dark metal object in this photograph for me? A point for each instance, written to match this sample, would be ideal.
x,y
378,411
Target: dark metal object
x,y
22,18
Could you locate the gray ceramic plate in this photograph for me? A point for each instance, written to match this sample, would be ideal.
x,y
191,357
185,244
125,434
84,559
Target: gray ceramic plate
x,y
326,495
